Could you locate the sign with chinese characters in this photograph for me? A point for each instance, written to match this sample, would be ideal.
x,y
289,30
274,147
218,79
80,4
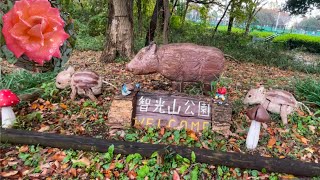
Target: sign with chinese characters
x,y
166,110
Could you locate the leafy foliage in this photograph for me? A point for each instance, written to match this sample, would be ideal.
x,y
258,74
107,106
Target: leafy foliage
x,y
23,81
308,89
311,43
301,6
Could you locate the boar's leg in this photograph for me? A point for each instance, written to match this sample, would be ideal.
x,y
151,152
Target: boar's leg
x,y
284,114
177,86
206,88
89,93
73,92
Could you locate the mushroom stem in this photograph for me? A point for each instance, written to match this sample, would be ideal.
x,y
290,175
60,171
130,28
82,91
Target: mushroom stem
x,y
7,117
253,135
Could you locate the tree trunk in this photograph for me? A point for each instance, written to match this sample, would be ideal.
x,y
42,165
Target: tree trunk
x,y
120,31
248,25
185,13
224,13
139,17
231,18
166,21
230,24
174,5
153,22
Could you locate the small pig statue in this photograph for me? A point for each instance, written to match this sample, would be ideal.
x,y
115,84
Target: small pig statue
x,y
85,82
180,62
276,101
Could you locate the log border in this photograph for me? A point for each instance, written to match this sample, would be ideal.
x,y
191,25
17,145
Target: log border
x,y
244,161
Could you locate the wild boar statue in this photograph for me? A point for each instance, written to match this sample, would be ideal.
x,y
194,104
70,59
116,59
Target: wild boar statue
x,y
180,62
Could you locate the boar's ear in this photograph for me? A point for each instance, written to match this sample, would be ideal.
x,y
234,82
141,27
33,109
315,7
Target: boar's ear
x,y
152,47
70,70
261,89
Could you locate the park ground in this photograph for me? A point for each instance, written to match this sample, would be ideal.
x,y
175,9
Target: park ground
x,y
56,113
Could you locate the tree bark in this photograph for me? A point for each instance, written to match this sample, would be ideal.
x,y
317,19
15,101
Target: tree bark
x,y
139,17
174,5
119,32
185,13
248,25
231,159
231,18
166,21
224,13
153,22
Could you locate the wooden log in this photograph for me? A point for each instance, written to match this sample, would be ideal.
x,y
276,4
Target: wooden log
x,y
230,159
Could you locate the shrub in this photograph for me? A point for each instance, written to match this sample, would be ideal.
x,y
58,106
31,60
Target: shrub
x,y
308,89
261,34
311,43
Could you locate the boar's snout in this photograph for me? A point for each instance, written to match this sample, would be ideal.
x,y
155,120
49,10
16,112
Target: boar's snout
x,y
128,68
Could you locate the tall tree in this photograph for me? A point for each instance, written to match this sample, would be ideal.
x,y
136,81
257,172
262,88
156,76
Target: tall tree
x,y
224,13
252,8
120,31
301,6
310,24
166,21
153,22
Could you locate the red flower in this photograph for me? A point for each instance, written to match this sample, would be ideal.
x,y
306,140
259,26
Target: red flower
x,y
34,28
222,90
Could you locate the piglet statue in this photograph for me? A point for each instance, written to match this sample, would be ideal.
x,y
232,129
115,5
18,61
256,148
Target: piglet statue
x,y
180,62
87,83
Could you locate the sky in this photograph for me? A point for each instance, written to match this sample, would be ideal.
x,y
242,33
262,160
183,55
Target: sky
x,y
280,3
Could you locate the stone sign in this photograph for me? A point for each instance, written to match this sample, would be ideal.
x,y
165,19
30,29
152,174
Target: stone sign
x,y
166,110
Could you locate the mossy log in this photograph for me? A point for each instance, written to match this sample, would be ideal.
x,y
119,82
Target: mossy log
x,y
244,161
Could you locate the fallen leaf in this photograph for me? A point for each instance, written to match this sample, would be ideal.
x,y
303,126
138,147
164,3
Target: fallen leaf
x,y
12,163
8,174
304,140
309,149
300,113
312,129
281,157
192,135
59,156
73,171
116,173
112,166
162,130
44,128
132,175
24,148
83,160
175,175
289,176
271,142
63,106
34,106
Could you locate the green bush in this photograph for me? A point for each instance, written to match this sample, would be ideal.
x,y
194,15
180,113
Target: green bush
x,y
261,34
311,43
308,89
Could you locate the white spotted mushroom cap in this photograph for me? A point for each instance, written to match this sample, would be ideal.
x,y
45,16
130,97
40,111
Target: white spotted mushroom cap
x,y
8,98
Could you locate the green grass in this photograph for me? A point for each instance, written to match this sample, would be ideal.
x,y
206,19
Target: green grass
x,y
308,90
23,81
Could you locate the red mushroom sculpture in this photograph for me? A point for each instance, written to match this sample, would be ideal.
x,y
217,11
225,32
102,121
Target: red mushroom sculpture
x,y
7,99
257,115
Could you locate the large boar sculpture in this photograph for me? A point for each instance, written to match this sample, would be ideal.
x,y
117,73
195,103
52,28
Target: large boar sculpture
x,y
180,62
